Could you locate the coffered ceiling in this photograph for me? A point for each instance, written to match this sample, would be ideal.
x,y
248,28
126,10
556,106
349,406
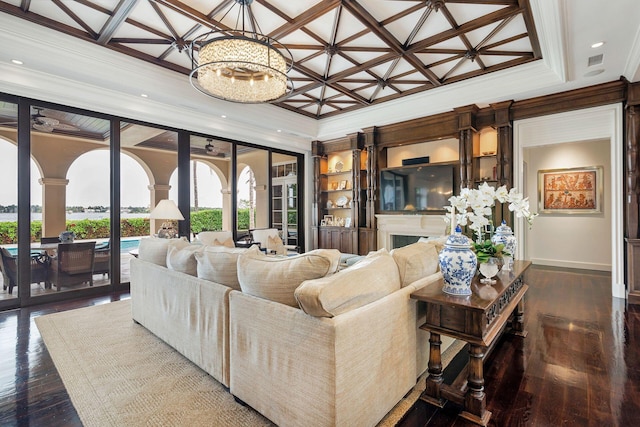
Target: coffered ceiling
x,y
348,54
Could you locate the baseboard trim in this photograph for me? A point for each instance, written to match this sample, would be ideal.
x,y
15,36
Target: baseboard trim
x,y
572,264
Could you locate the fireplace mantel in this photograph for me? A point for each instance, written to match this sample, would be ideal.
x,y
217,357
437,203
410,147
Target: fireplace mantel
x,y
408,225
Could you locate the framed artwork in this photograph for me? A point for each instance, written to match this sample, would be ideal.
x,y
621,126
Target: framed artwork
x,y
347,221
328,219
570,191
343,185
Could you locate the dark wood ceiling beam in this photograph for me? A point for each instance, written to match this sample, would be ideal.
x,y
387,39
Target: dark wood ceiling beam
x,y
94,6
119,15
333,84
45,22
193,14
505,41
471,50
531,28
369,21
465,28
140,41
76,18
301,20
164,20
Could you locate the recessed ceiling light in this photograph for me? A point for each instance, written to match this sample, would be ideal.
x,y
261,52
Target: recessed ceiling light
x,y
223,116
17,61
597,45
279,130
144,95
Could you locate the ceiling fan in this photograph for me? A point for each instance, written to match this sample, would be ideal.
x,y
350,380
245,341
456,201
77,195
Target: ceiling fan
x,y
211,149
45,124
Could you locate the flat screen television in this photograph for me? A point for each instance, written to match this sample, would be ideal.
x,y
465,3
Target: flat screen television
x,y
416,188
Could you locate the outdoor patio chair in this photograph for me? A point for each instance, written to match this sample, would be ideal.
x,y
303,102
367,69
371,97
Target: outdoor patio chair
x,y
39,269
101,264
73,265
271,242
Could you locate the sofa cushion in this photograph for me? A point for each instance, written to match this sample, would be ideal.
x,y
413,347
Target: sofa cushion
x,y
416,261
219,264
225,243
275,278
208,237
275,244
368,280
154,249
183,259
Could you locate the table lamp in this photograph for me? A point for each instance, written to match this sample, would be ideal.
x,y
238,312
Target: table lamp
x,y
167,210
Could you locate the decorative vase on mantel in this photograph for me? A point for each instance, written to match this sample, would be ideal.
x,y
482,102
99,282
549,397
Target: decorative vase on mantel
x,y
458,264
504,235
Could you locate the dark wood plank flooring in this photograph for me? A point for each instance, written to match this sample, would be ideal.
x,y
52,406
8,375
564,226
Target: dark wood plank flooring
x,y
578,366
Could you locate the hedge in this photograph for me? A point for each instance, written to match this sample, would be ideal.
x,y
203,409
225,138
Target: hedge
x,y
205,220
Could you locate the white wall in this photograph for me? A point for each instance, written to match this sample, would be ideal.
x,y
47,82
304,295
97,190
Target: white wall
x,y
589,234
566,132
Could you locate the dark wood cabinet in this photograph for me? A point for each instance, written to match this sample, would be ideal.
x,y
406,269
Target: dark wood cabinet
x,y
341,238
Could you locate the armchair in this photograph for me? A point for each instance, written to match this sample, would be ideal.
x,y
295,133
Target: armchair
x,y
39,269
74,264
271,242
102,257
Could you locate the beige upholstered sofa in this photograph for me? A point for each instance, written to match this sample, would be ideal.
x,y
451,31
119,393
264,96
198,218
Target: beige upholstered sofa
x,y
337,349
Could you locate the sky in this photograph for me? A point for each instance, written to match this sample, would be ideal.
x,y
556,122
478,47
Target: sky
x,y
89,181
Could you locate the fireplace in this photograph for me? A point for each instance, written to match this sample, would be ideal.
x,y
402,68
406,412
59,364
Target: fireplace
x,y
401,230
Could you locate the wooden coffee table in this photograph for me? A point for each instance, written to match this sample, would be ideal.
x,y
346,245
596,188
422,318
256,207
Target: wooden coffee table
x,y
478,319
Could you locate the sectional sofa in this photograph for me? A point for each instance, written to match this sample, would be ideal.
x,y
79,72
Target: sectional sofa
x,y
292,337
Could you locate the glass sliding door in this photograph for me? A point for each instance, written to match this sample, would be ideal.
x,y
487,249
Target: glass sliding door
x,y
252,190
148,175
70,206
8,201
210,184
284,194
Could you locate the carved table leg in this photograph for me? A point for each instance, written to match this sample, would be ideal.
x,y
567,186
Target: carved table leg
x,y
475,399
517,324
434,380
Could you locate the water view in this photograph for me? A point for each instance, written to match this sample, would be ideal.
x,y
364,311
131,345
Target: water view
x,y
37,216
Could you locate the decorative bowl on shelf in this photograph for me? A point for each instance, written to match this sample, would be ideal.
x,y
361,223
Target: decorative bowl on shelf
x,y
339,166
488,153
342,201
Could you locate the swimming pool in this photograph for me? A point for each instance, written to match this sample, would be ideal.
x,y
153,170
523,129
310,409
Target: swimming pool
x,y
125,246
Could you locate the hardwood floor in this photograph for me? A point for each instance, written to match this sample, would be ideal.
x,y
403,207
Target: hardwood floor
x,y
31,392
578,366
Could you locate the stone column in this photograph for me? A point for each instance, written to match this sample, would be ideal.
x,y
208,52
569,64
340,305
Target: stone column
x,y
157,192
226,209
54,199
262,206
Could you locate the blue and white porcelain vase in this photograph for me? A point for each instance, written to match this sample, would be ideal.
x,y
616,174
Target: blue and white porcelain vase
x,y
458,264
505,236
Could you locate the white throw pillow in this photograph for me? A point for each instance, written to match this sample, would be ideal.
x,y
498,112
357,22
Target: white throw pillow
x,y
368,280
219,264
416,261
154,249
226,243
276,278
183,260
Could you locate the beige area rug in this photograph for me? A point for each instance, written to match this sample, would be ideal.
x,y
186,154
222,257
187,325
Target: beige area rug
x,y
119,374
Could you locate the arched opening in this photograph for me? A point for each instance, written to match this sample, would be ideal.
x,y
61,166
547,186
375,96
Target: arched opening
x,y
205,194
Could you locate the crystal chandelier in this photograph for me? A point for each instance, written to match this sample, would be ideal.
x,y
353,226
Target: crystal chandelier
x,y
240,65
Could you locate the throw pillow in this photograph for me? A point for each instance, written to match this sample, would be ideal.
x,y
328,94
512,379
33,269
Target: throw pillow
x,y
274,243
183,260
227,243
154,249
416,261
276,278
219,264
368,280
